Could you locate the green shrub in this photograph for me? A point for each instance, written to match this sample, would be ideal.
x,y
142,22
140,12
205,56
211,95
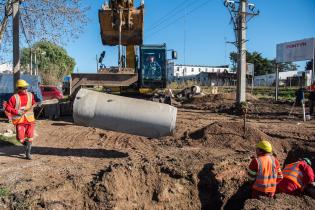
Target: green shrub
x,y
4,192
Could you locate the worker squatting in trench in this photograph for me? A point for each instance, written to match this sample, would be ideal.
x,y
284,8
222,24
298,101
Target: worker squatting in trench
x,y
268,179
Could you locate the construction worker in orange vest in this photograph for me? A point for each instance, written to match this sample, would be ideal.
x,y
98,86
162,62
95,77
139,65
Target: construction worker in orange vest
x,y
20,106
296,177
264,171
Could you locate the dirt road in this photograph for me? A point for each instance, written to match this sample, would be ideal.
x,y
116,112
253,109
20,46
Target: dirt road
x,y
201,167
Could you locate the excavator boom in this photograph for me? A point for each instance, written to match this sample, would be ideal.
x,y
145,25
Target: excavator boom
x,y
121,23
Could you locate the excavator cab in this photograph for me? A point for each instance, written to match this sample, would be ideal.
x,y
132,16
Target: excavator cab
x,y
153,66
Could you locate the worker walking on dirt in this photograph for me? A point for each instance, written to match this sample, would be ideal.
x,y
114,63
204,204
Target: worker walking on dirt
x,y
264,171
296,177
20,106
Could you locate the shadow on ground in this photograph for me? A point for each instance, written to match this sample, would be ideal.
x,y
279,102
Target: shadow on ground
x,y
63,152
208,188
237,201
5,143
62,124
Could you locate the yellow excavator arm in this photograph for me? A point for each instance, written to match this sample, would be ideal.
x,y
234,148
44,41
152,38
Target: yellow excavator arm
x,y
122,24
131,19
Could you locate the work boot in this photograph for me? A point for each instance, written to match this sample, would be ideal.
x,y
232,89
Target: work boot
x,y
28,150
24,145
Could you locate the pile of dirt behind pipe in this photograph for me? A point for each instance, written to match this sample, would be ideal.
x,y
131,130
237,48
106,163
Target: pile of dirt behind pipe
x,y
225,103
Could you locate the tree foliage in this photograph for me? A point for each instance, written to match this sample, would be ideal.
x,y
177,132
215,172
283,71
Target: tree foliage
x,y
53,20
262,65
53,61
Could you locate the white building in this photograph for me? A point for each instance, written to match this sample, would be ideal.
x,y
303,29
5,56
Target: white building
x,y
178,71
6,68
269,79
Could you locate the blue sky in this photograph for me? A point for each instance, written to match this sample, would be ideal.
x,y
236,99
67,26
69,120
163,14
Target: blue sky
x,y
206,28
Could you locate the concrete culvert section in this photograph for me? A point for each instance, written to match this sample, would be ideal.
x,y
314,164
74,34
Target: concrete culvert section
x,y
128,115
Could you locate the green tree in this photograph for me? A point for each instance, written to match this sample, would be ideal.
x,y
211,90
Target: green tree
x,y
53,61
262,65
233,59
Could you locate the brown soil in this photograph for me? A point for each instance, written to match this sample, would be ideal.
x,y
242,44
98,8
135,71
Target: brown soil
x,y
282,201
202,166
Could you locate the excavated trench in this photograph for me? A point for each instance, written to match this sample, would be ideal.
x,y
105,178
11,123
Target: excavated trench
x,y
144,186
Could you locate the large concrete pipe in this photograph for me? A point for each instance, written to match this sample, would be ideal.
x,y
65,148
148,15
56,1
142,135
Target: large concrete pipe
x,y
128,115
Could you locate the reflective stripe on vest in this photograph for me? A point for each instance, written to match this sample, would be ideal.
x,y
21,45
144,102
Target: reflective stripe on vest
x,y
266,180
29,115
292,172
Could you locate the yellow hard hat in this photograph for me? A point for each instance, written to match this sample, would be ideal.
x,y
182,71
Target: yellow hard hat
x,y
264,145
21,83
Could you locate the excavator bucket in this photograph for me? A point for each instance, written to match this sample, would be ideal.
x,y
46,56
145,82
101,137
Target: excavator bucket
x,y
131,20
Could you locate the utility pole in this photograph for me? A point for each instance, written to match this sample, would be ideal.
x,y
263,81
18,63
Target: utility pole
x,y
313,67
31,62
35,62
241,11
96,64
16,42
241,66
277,82
185,37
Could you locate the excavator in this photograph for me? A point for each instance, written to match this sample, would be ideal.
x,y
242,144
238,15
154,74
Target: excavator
x,y
141,68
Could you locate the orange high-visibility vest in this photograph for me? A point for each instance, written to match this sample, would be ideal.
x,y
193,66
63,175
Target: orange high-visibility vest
x,y
292,172
266,180
29,114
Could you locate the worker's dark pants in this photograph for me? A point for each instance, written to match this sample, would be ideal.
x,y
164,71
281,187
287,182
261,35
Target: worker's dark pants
x,y
311,105
311,100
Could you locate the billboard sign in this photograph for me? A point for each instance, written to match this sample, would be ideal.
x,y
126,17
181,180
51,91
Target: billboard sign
x,y
300,50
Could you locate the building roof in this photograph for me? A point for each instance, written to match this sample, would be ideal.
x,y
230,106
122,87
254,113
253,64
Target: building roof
x,y
222,66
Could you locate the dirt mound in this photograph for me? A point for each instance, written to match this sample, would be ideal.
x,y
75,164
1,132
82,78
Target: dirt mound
x,y
219,103
143,185
214,98
282,201
229,135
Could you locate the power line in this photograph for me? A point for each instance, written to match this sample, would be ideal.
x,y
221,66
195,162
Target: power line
x,y
25,35
167,16
153,33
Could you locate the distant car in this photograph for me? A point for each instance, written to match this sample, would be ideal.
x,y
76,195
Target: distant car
x,y
51,92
